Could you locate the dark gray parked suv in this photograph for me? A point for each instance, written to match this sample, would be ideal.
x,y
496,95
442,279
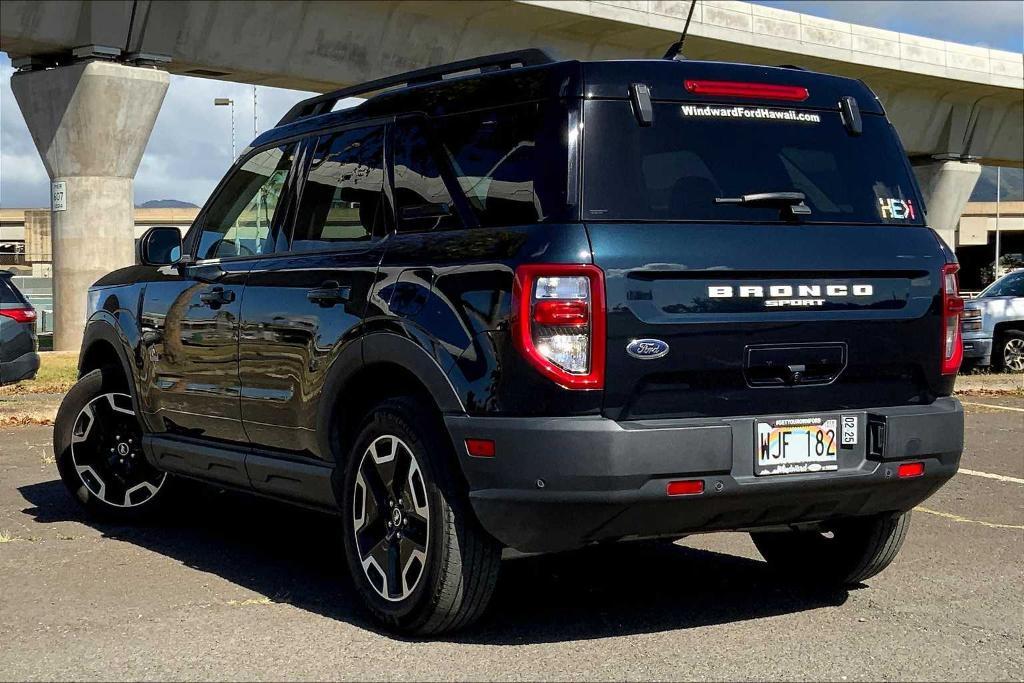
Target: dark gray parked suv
x,y
18,343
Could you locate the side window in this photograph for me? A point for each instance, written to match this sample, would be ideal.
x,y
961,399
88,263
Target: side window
x,y
240,222
343,197
1011,285
423,201
494,154
1015,286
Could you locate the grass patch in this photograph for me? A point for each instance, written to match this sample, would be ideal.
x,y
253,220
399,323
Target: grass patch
x,y
57,373
5,536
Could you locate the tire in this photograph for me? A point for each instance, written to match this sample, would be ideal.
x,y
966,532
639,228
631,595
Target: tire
x,y
97,443
858,549
443,565
1008,351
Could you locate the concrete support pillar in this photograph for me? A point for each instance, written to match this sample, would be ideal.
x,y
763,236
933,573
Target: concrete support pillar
x,y
90,122
947,185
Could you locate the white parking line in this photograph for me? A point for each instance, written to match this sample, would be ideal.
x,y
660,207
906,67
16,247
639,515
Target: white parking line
x,y
989,475
966,520
989,405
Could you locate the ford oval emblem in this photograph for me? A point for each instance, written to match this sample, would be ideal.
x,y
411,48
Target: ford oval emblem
x,y
647,349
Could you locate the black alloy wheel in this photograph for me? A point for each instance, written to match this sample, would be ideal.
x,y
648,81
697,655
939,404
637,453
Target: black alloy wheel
x,y
391,518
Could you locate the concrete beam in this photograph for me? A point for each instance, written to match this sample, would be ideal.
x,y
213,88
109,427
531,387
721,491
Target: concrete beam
x,y
90,122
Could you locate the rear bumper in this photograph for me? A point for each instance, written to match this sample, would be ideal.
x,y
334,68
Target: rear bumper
x,y
559,483
22,367
978,350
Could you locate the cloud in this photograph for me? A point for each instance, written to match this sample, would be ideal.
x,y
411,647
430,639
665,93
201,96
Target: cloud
x,y
987,23
190,149
23,179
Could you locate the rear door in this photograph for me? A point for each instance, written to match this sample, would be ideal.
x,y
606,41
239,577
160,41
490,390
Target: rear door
x,y
303,307
761,310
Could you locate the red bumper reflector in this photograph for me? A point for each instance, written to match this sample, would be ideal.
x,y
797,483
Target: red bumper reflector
x,y
909,470
760,91
480,448
689,487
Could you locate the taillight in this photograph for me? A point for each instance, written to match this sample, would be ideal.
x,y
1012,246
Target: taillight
x,y
20,315
559,322
761,91
952,307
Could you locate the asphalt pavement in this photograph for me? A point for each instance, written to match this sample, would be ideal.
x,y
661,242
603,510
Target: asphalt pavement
x,y
243,588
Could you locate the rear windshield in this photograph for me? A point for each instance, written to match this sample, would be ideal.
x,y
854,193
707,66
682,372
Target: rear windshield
x,y
9,295
692,154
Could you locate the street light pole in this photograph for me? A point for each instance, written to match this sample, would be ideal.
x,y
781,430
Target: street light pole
x,y
226,102
998,197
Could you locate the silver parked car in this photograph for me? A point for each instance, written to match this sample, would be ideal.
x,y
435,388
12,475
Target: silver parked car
x,y
18,342
993,325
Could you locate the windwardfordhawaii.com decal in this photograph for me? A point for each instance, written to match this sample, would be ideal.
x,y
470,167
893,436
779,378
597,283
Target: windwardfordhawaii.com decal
x,y
763,113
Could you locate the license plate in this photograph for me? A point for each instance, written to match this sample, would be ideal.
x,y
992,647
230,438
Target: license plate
x,y
796,445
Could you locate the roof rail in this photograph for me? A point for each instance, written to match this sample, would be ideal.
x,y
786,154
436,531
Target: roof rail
x,y
321,104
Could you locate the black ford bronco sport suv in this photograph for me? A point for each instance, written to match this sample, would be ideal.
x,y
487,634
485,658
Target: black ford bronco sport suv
x,y
534,304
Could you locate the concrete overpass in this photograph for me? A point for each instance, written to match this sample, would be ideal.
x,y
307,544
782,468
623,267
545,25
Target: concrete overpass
x,y
949,101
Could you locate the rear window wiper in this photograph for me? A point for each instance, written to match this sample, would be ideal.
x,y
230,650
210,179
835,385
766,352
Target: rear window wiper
x,y
793,202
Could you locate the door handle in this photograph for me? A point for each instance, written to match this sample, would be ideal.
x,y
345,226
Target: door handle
x,y
329,294
216,296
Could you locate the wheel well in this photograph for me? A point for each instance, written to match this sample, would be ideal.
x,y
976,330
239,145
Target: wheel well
x,y
1012,325
100,353
366,388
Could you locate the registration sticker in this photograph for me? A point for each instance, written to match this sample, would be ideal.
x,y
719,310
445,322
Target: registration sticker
x,y
848,435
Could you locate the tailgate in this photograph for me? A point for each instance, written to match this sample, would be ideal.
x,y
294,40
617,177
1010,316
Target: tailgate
x,y
763,319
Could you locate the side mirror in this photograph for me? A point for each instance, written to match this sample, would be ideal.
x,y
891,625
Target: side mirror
x,y
160,246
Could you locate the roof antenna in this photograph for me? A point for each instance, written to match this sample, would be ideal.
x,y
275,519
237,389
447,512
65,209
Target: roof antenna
x,y
675,51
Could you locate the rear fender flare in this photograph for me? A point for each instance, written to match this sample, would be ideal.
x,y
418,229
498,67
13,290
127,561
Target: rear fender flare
x,y
380,347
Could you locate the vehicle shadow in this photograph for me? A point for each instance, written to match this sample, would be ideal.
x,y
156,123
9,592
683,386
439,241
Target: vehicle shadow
x,y
295,556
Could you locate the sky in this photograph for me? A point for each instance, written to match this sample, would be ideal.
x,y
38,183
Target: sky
x,y
190,147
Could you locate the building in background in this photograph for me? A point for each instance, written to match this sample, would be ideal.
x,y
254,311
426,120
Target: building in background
x,y
25,243
976,232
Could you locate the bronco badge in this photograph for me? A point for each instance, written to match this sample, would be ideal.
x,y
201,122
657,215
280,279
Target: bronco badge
x,y
647,349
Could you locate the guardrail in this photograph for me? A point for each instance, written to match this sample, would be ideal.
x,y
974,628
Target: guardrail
x,y
12,258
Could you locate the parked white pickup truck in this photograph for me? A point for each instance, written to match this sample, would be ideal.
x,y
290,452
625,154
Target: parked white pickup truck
x,y
993,325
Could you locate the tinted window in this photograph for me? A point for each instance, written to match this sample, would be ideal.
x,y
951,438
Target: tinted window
x,y
342,199
422,199
677,167
495,157
240,220
9,294
1010,285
